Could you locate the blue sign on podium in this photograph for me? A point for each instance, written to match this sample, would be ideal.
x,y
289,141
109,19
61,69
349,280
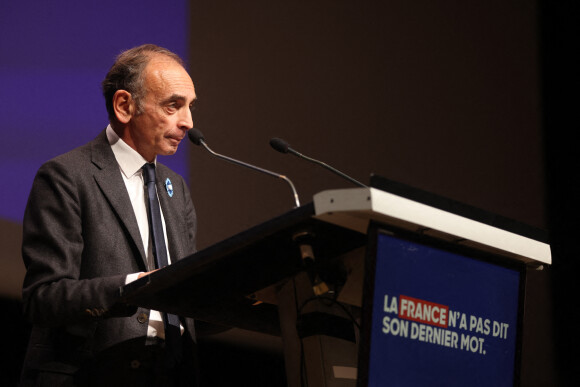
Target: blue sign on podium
x,y
441,317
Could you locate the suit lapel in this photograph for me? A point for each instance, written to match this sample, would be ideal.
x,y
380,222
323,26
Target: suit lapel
x,y
108,178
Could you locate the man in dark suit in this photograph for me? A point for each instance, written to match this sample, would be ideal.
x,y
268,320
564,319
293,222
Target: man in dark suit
x,y
86,234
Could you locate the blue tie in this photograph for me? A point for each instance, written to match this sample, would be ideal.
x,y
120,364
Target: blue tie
x,y
170,321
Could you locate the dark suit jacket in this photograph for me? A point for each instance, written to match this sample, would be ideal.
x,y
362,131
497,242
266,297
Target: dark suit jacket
x,y
80,240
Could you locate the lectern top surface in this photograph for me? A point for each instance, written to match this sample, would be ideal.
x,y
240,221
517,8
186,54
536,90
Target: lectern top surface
x,y
355,208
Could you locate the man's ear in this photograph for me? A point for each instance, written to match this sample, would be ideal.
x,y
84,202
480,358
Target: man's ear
x,y
123,105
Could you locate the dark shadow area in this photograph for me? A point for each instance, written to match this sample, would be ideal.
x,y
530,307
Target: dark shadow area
x,y
221,364
559,48
15,331
224,364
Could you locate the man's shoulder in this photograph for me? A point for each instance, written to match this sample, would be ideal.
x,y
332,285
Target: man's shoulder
x,y
78,158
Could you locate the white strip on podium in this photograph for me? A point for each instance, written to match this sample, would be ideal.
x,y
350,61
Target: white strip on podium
x,y
354,208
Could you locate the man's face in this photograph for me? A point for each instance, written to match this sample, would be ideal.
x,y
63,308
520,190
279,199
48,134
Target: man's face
x,y
166,109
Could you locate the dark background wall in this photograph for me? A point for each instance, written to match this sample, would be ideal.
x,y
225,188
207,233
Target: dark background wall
x,y
443,96
460,99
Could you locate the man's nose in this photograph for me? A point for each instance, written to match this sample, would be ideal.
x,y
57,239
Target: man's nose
x,y
185,120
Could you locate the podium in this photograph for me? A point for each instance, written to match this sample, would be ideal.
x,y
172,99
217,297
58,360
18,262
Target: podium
x,y
379,286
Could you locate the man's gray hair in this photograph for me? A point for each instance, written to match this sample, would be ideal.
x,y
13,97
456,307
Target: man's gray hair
x,y
127,74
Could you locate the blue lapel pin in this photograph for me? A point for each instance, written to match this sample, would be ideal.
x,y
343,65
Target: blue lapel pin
x,y
169,187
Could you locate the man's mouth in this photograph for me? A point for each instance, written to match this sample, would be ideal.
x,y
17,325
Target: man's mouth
x,y
175,140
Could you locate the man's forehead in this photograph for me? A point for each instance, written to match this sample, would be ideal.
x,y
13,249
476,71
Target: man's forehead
x,y
164,73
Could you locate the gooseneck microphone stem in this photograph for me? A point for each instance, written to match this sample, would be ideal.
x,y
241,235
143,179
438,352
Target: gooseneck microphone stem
x,y
324,165
282,146
200,141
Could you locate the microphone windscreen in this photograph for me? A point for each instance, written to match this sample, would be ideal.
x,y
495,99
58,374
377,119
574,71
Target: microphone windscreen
x,y
279,145
195,136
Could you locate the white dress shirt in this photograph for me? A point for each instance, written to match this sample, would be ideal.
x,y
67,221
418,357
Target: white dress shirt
x,y
130,163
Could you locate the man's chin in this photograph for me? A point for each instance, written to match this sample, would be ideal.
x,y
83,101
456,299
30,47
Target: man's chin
x,y
169,151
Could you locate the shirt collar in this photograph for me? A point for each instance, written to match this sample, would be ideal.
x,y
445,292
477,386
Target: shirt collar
x,y
129,160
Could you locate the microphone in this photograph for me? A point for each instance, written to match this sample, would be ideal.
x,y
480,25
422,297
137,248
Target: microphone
x,y
197,138
283,147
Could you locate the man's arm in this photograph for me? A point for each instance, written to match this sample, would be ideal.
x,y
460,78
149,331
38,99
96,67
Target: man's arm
x,y
53,248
